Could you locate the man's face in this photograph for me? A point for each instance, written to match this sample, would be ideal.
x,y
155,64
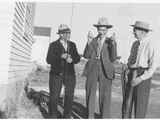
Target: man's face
x,y
102,30
139,34
66,36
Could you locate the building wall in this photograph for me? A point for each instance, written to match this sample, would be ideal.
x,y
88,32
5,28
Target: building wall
x,y
18,42
21,44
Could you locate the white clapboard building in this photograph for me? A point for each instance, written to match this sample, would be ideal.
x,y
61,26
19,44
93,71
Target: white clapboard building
x,y
16,36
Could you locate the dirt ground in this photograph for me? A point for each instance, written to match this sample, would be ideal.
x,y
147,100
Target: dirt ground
x,y
39,81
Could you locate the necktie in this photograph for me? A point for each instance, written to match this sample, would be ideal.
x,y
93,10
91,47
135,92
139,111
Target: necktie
x,y
99,47
134,51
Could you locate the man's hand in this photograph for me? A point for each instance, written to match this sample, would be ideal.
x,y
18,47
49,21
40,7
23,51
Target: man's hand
x,y
69,60
90,37
64,56
136,81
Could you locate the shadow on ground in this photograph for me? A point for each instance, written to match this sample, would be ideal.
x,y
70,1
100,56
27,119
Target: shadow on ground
x,y
78,111
41,99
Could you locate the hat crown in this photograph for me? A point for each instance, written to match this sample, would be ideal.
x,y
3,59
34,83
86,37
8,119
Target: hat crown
x,y
103,21
63,27
141,24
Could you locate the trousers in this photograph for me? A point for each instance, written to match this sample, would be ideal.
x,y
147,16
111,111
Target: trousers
x,y
137,96
55,86
94,77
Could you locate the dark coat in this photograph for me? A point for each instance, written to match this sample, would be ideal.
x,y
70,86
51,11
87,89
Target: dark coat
x,y
59,65
108,56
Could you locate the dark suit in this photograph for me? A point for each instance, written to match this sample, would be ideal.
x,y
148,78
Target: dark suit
x,y
61,73
101,70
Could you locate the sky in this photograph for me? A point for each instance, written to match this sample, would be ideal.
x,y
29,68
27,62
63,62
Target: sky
x,y
81,16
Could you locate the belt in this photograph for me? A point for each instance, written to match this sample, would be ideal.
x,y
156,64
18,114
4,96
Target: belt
x,y
96,58
59,74
138,68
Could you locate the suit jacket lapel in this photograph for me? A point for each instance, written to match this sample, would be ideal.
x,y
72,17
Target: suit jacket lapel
x,y
95,44
104,51
105,58
61,46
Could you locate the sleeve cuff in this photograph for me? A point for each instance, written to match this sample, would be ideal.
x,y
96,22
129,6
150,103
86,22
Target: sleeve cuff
x,y
142,78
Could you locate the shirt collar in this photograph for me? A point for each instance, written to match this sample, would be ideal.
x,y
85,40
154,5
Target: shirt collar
x,y
62,41
145,40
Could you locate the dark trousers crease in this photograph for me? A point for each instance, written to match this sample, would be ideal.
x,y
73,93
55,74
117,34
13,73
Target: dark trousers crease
x,y
55,86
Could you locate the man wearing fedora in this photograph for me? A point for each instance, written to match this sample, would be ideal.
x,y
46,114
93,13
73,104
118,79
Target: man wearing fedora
x,y
101,53
141,66
62,55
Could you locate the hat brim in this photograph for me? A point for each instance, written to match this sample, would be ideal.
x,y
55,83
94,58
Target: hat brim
x,y
140,28
63,32
107,26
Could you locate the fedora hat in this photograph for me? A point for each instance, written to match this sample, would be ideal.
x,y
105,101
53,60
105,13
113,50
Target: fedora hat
x,y
63,28
141,26
103,22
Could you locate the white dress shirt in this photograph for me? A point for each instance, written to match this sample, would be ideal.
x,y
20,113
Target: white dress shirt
x,y
146,58
100,45
64,44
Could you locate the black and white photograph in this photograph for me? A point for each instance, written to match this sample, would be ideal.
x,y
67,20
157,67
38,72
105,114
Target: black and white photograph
x,y
79,59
